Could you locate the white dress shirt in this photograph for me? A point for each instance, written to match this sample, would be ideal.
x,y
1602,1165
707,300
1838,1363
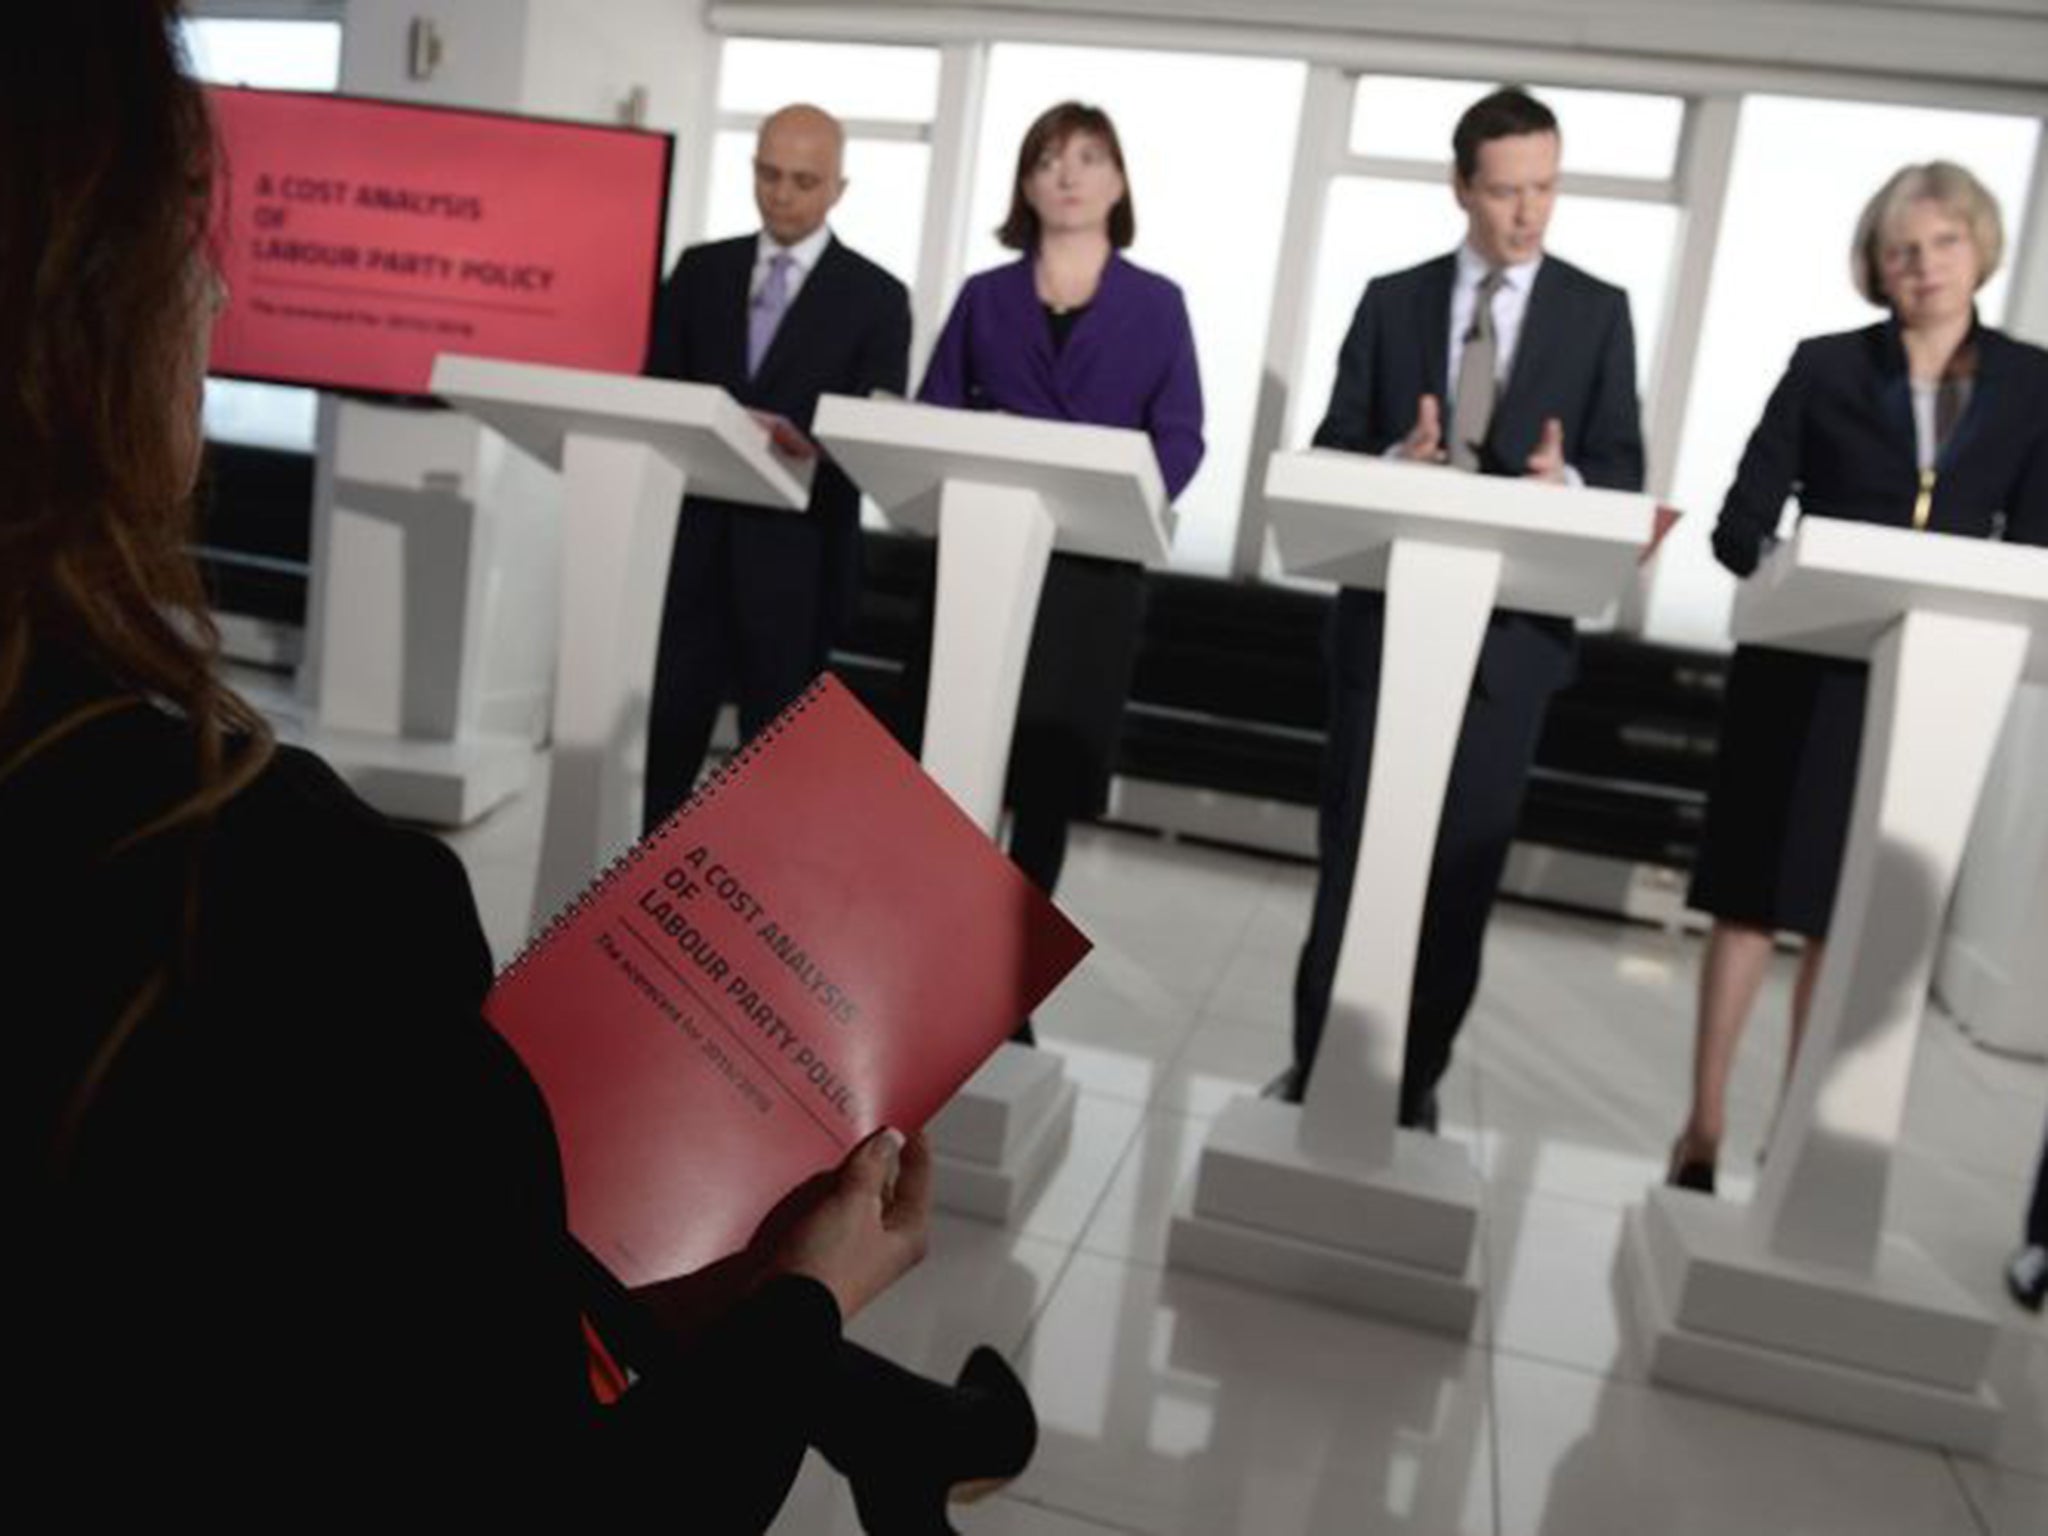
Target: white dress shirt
x,y
1510,304
802,257
1926,430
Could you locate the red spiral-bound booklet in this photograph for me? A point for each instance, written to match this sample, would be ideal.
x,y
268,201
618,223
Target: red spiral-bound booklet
x,y
819,943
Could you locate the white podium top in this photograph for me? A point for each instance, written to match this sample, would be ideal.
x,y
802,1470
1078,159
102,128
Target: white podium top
x,y
1101,484
698,427
1835,585
1564,550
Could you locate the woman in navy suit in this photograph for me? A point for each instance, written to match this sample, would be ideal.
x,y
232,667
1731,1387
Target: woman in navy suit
x,y
1927,420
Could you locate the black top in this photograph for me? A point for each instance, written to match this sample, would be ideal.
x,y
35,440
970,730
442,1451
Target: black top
x,y
1838,433
310,1232
1061,323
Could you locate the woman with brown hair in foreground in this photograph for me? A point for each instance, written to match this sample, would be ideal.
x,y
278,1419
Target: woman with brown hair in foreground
x,y
296,1215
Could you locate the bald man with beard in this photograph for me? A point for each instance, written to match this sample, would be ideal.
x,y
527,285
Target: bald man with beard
x,y
776,318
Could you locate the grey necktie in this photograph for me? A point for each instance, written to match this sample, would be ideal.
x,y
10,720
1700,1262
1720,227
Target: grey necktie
x,y
1476,367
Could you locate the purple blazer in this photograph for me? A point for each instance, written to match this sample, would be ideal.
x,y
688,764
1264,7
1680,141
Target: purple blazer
x,y
1129,361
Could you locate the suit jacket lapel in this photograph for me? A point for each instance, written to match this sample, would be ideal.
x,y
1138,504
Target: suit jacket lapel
x,y
726,335
1025,316
1016,310
1434,312
1542,334
1985,393
1893,383
1092,331
812,299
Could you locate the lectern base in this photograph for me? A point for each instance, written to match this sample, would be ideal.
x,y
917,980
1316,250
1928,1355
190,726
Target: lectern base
x,y
1000,1136
1902,1352
438,783
1397,1239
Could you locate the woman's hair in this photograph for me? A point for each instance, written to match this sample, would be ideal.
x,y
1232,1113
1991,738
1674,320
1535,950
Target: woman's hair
x,y
1048,136
106,162
1951,188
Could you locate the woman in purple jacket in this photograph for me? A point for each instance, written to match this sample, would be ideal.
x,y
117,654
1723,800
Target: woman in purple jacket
x,y
1071,331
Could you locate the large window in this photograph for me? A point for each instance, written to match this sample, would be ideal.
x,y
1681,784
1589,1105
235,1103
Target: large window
x,y
887,98
1210,190
279,55
1802,172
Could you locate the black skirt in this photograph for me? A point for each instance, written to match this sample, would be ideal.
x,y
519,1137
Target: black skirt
x,y
1784,781
1084,648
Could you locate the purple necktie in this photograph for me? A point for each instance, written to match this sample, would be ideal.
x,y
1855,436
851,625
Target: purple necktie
x,y
766,312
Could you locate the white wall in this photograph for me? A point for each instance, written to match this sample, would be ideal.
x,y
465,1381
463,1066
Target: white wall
x,y
584,61
553,58
483,43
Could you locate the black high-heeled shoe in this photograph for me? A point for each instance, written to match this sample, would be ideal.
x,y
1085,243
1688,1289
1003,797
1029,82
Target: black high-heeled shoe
x,y
909,1445
1009,1430
1689,1172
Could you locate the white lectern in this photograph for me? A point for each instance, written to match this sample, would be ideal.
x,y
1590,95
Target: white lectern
x,y
436,550
1331,1199
626,447
999,493
1802,1301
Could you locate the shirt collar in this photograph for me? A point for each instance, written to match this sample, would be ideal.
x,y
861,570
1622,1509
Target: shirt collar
x,y
1472,267
804,254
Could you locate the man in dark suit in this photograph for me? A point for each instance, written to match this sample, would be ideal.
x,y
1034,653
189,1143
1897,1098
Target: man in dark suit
x,y
1498,360
777,318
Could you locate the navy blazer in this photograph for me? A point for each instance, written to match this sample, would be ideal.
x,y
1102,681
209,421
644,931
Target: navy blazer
x,y
847,333
1575,360
1838,433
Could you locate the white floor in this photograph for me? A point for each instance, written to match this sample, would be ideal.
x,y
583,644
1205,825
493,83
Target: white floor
x,y
1175,1404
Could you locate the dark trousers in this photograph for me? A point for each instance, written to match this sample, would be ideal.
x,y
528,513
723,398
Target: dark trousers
x,y
1522,664
748,618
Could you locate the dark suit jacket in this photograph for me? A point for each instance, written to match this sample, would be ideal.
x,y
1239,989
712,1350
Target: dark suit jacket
x,y
848,333
311,1231
1575,360
1838,433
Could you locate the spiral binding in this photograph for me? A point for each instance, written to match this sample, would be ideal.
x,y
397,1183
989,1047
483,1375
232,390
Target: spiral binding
x,y
730,769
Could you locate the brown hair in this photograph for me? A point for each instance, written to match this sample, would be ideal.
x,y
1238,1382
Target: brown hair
x,y
1949,187
106,158
1048,136
1507,113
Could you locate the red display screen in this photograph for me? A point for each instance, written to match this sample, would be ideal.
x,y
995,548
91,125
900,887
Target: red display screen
x,y
360,239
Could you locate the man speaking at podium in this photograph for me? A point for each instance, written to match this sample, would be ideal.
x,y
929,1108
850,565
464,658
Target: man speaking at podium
x,y
777,319
1499,360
